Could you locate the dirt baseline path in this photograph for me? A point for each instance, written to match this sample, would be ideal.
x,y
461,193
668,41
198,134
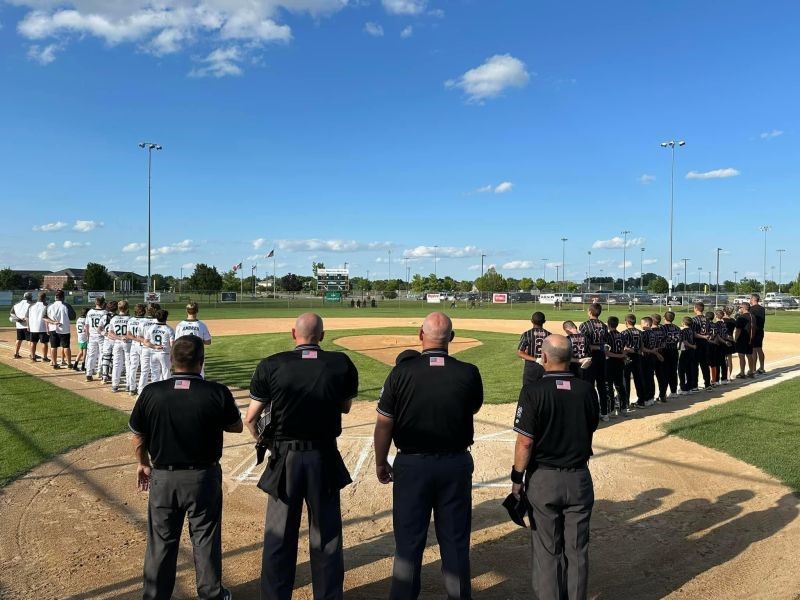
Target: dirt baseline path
x,y
672,519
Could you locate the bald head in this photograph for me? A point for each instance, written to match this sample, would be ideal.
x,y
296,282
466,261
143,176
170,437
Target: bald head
x,y
308,329
437,331
556,353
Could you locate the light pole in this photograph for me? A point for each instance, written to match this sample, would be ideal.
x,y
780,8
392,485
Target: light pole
x,y
765,229
624,257
482,257
390,265
772,276
736,282
780,252
589,272
685,274
699,273
671,145
563,263
544,269
435,261
150,146
641,270
557,279
601,279
716,291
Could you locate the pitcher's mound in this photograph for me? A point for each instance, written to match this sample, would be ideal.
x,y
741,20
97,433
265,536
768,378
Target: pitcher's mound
x,y
385,348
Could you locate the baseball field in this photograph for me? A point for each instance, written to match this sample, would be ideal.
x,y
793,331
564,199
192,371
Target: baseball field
x,y
696,498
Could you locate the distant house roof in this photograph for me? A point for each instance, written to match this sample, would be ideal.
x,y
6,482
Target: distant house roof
x,y
120,274
74,273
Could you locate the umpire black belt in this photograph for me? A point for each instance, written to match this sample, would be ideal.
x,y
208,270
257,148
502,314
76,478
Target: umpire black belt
x,y
414,452
577,467
193,467
305,445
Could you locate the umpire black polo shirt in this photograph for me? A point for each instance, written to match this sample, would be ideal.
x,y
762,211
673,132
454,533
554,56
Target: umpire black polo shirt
x,y
432,399
560,413
182,420
306,387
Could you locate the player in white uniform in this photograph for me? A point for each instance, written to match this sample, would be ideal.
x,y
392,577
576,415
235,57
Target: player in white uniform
x,y
145,375
19,316
108,344
95,321
193,326
37,326
159,338
134,326
82,329
121,352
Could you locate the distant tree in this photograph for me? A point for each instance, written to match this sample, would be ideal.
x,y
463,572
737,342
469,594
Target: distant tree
x,y
526,284
794,289
315,266
205,279
512,284
658,285
291,283
465,286
541,284
230,281
158,282
418,283
68,285
491,281
10,280
748,285
96,277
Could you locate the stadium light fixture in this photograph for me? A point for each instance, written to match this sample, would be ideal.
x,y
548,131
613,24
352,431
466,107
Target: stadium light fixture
x,y
671,144
149,146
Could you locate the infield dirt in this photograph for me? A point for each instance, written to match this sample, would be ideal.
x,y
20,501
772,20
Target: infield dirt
x,y
672,518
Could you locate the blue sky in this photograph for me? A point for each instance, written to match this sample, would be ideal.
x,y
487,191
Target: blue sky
x,y
340,131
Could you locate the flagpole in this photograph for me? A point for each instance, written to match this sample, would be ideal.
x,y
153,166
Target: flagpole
x,y
274,285
241,280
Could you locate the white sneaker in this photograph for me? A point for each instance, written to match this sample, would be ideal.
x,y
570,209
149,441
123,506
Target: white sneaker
x,y
680,393
626,412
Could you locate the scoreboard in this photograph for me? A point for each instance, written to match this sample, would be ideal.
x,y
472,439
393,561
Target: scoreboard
x,y
333,280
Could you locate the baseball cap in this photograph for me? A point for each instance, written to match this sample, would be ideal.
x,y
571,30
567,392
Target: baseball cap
x,y
28,296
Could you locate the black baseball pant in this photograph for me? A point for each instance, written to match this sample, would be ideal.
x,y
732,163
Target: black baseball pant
x,y
648,377
687,370
702,355
596,375
671,368
615,371
633,370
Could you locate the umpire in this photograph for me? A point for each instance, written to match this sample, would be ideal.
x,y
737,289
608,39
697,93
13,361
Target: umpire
x,y
306,391
177,424
427,406
555,420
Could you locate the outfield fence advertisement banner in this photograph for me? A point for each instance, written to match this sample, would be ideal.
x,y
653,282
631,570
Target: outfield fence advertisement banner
x,y
152,296
433,298
227,296
92,296
333,296
499,298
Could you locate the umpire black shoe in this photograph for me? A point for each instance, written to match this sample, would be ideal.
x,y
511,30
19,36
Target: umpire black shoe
x,y
89,378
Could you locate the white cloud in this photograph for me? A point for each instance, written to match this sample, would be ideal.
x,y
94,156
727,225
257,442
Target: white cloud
x,y
768,135
492,78
441,252
86,226
373,29
162,27
190,266
715,174
176,248
221,62
519,264
57,226
69,244
646,179
314,244
133,247
50,256
253,257
485,267
617,243
627,264
649,261
407,32
404,7
503,187
484,189
605,262
258,243
44,55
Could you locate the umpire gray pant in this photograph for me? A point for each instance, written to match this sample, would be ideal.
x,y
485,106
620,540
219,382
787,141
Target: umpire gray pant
x,y
305,482
441,483
196,494
562,506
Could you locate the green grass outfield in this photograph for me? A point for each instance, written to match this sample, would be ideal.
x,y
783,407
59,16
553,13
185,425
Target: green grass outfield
x,y
232,359
762,429
39,420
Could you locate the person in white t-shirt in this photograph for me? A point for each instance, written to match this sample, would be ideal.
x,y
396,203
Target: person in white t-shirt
x,y
95,322
37,326
58,321
159,339
121,352
193,326
19,316
134,329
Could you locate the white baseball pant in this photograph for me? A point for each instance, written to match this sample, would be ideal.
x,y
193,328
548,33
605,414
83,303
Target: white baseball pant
x,y
107,358
144,374
93,354
121,359
160,364
134,360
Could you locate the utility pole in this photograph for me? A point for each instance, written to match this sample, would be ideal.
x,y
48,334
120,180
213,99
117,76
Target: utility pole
x,y
716,291
624,256
563,264
780,252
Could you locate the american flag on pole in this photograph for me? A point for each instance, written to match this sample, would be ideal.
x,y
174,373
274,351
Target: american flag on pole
x,y
237,267
271,253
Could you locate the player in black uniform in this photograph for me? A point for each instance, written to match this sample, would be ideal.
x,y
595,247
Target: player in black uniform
x,y
745,333
723,344
730,327
580,350
615,368
596,333
702,334
672,338
660,364
530,349
687,365
651,356
633,365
